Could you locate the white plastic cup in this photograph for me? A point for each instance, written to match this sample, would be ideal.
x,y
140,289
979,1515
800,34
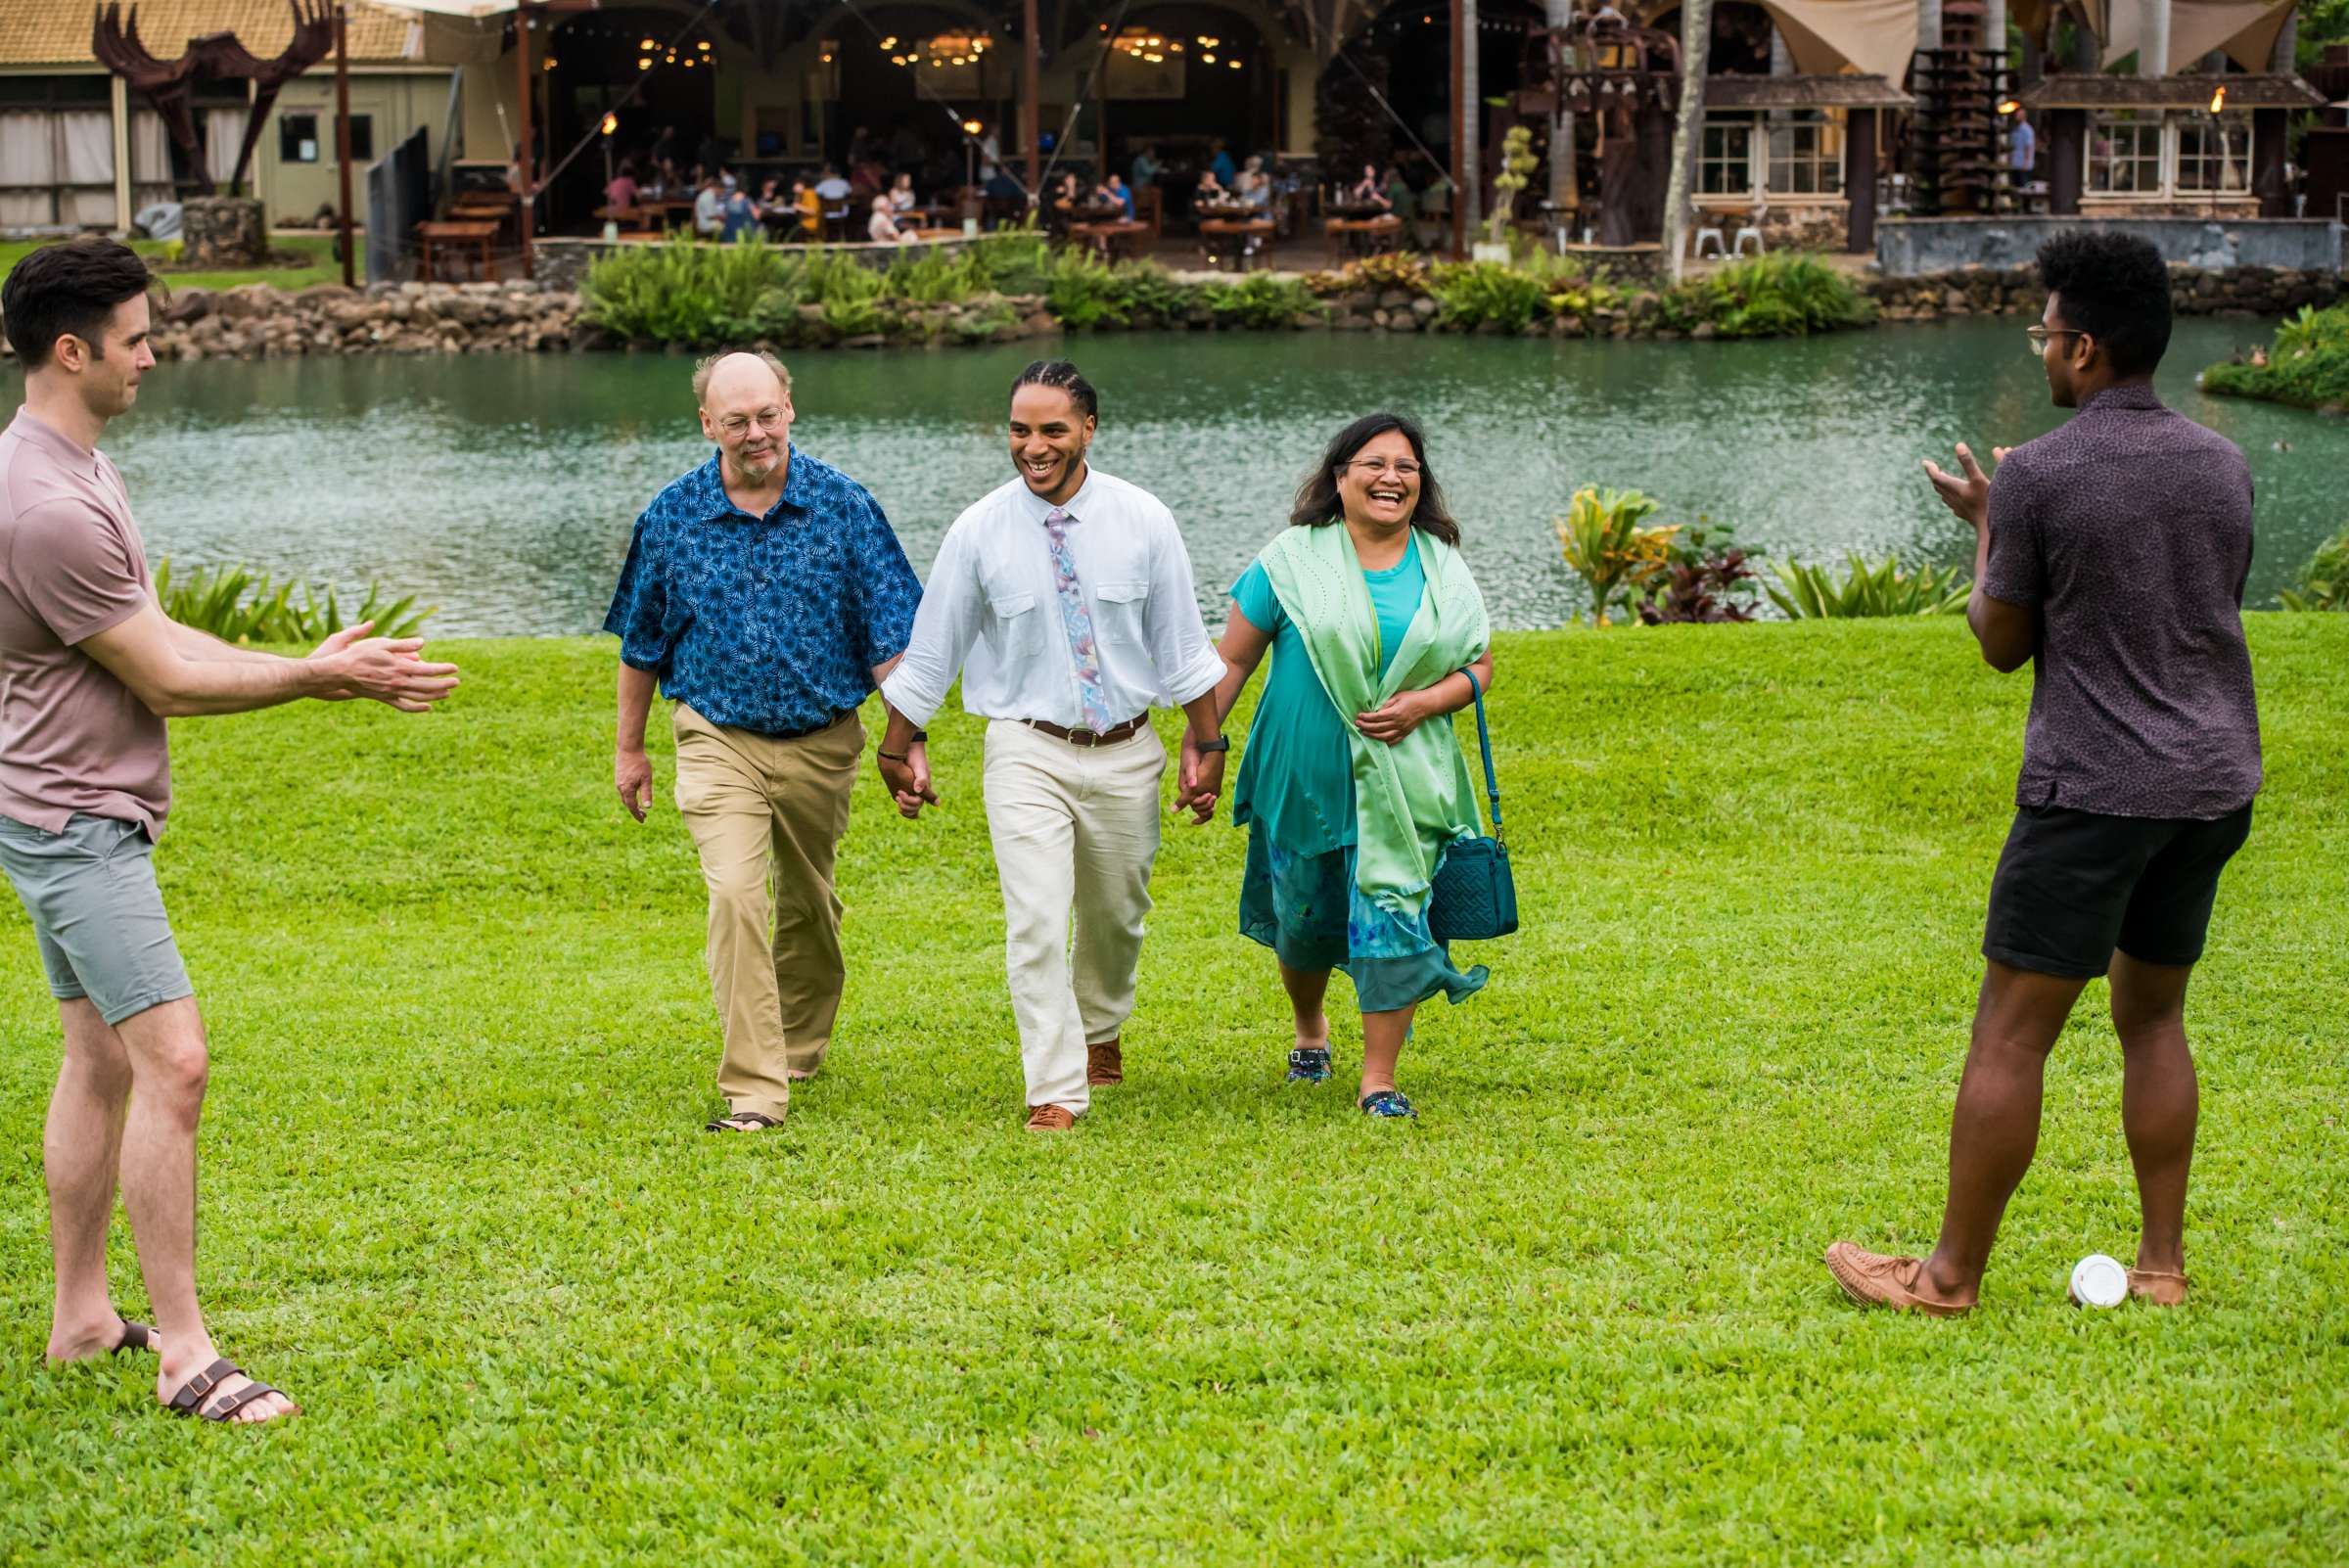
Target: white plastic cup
x,y
2098,1281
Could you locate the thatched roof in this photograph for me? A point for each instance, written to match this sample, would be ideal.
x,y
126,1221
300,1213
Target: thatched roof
x,y
57,32
2170,92
1803,92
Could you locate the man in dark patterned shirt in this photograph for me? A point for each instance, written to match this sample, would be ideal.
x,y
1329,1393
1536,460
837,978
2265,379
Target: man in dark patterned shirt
x,y
2111,555
767,595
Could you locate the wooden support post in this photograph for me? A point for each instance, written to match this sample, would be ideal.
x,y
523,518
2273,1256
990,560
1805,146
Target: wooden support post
x,y
1859,177
525,163
1461,173
342,132
1031,112
122,117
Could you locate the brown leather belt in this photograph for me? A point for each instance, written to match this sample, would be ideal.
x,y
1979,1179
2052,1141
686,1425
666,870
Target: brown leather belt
x,y
1085,737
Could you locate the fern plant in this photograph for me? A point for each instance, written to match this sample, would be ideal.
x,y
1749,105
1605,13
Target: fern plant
x,y
238,605
1866,590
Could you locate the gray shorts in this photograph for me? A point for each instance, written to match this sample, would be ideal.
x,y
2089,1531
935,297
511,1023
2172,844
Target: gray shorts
x,y
97,912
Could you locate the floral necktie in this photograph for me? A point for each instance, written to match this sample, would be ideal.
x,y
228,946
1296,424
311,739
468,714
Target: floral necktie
x,y
1078,620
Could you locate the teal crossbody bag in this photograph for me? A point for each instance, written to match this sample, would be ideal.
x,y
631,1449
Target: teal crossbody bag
x,y
1474,897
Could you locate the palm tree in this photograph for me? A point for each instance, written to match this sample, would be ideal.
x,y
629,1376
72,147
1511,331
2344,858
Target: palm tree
x,y
1696,38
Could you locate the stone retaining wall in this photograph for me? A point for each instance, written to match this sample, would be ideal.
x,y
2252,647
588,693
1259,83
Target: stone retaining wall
x,y
2243,291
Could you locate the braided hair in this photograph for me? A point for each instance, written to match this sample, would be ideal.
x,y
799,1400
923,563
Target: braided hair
x,y
1061,376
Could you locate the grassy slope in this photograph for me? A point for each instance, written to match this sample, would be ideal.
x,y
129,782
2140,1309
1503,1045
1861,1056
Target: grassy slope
x,y
457,1198
319,248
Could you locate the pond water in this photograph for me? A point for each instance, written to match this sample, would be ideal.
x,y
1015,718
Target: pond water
x,y
502,487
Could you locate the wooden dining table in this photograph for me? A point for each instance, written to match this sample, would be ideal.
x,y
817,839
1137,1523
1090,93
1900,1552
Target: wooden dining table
x,y
456,235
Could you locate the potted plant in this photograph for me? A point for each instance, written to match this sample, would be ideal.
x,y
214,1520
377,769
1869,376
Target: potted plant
x,y
1517,165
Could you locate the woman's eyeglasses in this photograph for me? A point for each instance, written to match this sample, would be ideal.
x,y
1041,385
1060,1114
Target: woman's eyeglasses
x,y
2039,336
1401,469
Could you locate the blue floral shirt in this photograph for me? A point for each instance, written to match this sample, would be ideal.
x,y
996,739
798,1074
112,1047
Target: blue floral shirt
x,y
769,624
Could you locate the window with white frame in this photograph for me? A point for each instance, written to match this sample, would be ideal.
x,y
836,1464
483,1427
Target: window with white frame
x,y
1806,154
2214,152
1725,163
2124,153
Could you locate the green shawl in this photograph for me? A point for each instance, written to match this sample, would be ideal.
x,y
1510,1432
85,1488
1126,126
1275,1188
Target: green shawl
x,y
1413,798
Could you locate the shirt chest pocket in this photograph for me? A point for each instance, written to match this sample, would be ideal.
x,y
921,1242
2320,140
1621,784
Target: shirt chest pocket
x,y
1015,626
1123,606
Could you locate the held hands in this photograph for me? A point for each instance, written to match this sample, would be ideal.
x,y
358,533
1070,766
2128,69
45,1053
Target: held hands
x,y
908,781
1397,717
1198,782
1966,492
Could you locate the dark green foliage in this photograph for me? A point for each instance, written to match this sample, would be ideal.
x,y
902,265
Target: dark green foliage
x,y
236,605
1474,293
2308,364
1782,294
2324,580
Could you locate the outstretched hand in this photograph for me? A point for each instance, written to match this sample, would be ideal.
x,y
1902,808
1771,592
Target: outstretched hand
x,y
1198,782
389,669
908,781
1967,491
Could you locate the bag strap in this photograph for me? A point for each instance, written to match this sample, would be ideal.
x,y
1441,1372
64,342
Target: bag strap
x,y
1484,741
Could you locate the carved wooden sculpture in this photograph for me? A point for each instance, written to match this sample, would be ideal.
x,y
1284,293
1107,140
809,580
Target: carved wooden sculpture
x,y
170,85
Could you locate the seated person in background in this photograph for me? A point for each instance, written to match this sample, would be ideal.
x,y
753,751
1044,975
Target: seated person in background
x,y
623,190
1253,186
1067,194
834,192
1145,168
1368,191
882,226
708,208
809,208
1209,191
741,215
666,179
1113,190
900,194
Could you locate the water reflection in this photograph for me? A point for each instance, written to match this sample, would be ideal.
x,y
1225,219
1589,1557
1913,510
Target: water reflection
x,y
503,487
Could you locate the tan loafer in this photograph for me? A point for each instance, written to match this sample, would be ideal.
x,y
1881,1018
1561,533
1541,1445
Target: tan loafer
x,y
1051,1119
1104,1064
2156,1287
1873,1279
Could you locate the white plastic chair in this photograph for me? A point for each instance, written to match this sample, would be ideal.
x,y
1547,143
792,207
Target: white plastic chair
x,y
1720,249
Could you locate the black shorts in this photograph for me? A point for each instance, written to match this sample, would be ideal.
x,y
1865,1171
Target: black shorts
x,y
2072,886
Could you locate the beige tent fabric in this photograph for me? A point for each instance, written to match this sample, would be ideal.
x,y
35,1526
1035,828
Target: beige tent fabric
x,y
1874,37
2247,30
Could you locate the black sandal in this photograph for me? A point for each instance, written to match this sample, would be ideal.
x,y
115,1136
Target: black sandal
x,y
135,1337
724,1122
189,1400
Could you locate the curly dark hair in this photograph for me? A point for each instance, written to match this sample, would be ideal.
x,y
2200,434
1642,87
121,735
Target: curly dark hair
x,y
69,290
1062,376
1318,497
2116,289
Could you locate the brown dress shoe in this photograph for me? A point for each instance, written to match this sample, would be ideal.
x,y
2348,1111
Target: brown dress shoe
x,y
1872,1280
1104,1063
1051,1119
2159,1288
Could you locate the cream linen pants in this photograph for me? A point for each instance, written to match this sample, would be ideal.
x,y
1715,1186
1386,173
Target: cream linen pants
x,y
1074,830
767,817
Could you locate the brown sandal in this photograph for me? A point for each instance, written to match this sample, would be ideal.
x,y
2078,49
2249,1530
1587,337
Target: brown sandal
x,y
2159,1288
725,1124
135,1337
189,1400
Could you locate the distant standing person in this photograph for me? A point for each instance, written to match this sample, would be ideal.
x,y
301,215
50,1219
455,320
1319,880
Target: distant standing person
x,y
2022,148
764,594
2111,555
93,666
1070,595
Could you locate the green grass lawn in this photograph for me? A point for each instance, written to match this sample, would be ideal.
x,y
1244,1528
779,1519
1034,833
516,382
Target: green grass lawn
x,y
457,1198
319,267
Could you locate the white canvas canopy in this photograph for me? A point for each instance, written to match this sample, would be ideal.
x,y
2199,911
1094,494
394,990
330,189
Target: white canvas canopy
x,y
2247,30
1828,37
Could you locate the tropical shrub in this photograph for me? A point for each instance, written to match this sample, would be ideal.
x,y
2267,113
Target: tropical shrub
x,y
1706,578
1784,294
1261,301
1477,294
2308,363
1602,539
1879,588
237,604
2324,580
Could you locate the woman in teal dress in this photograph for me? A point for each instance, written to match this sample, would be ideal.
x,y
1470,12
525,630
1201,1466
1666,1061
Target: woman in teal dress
x,y
1352,785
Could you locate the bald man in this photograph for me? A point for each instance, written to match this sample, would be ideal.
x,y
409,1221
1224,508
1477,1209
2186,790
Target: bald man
x,y
766,596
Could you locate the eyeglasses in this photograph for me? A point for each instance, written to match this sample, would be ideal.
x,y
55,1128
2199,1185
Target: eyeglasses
x,y
2039,336
1402,468
739,425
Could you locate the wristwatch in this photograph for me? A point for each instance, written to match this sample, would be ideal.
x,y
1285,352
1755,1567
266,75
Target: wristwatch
x,y
1221,743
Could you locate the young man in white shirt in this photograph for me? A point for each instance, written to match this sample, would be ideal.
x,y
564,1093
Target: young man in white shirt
x,y
1070,594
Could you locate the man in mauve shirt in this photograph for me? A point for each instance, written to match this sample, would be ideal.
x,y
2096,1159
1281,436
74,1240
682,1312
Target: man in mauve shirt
x,y
2110,556
89,670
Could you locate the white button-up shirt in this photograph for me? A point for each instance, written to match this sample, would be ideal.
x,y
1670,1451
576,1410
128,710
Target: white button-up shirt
x,y
990,609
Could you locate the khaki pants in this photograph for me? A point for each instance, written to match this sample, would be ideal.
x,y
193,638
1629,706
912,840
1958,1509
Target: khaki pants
x,y
767,812
1075,831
